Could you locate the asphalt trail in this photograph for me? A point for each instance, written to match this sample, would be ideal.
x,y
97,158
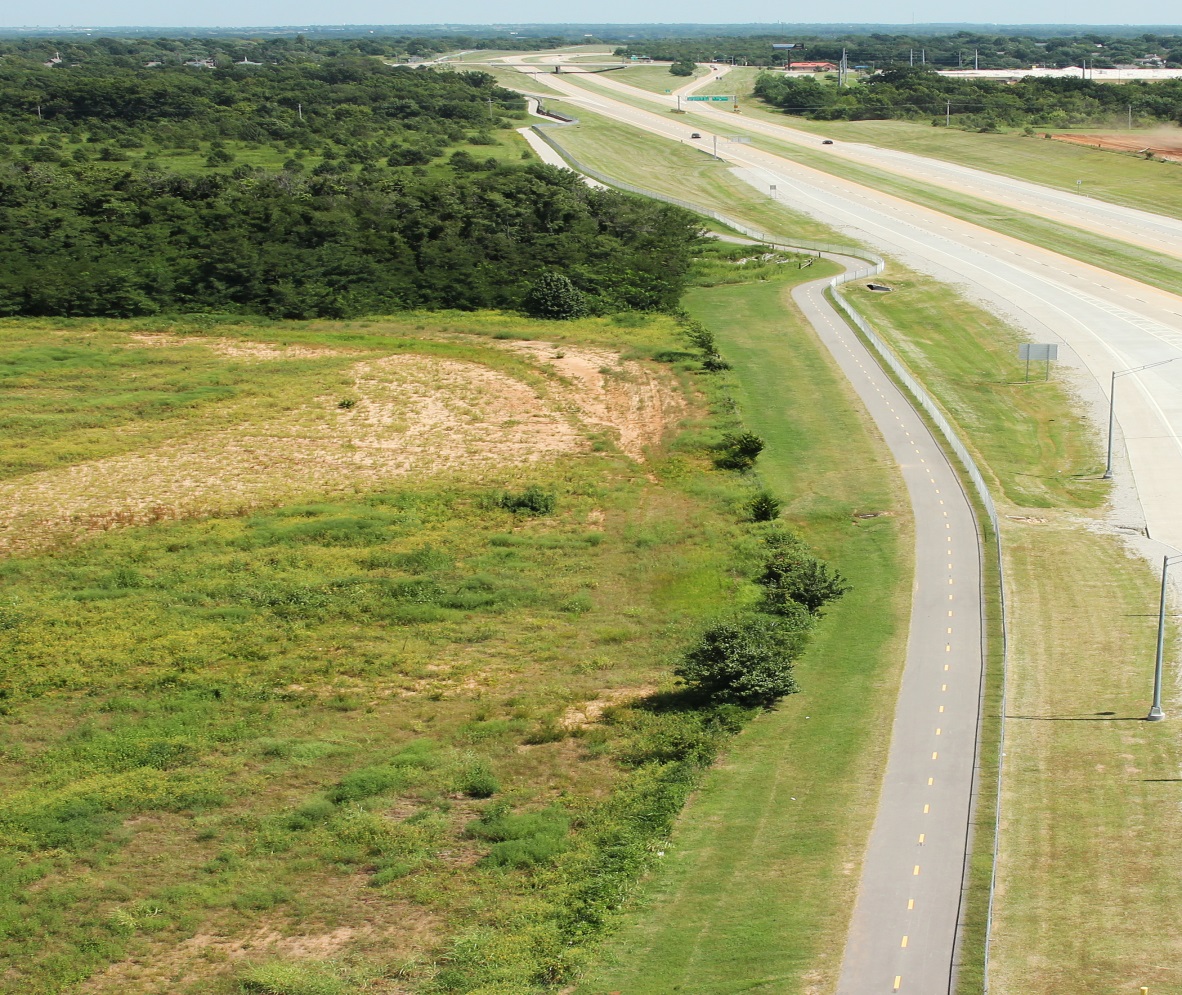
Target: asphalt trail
x,y
903,932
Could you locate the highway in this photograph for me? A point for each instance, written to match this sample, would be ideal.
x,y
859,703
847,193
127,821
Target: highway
x,y
1152,231
1102,322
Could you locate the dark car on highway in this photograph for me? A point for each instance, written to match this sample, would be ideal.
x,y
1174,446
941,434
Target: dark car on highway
x,y
827,141
695,135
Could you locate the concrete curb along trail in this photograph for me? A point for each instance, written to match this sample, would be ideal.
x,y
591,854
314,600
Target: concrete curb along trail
x,y
904,928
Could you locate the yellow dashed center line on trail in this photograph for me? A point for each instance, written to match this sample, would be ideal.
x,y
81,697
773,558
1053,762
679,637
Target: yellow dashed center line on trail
x,y
904,943
927,809
946,667
943,687
931,781
915,873
935,756
941,708
921,836
937,730
910,904
898,982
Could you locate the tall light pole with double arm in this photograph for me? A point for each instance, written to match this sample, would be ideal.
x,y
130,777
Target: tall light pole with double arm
x,y
1112,404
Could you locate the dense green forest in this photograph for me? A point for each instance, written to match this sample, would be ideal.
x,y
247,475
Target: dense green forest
x,y
982,104
331,187
943,51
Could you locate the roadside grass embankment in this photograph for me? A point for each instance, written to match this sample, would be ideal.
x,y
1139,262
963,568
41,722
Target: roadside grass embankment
x,y
760,874
382,735
1084,825
656,79
685,171
1143,265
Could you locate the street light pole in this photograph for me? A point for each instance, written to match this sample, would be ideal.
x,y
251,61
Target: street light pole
x,y
1155,712
1112,405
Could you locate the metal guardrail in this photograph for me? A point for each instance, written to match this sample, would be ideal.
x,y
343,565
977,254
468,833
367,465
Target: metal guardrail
x,y
920,395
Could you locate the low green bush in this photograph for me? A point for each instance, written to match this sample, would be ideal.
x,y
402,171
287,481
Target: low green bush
x,y
292,978
531,501
367,782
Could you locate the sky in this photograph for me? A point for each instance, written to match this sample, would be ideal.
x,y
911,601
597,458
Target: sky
x,y
259,13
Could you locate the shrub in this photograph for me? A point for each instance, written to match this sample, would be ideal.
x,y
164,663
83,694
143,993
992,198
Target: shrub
x,y
738,451
522,840
793,575
366,782
555,298
747,659
531,501
477,780
764,507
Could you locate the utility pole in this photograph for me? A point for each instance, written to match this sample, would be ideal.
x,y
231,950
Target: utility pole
x,y
923,56
976,61
1130,117
300,111
947,113
959,59
488,100
911,56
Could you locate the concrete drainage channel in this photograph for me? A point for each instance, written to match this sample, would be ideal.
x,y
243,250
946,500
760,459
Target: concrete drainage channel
x,y
925,405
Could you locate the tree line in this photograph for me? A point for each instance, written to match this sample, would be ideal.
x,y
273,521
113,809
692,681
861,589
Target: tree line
x,y
916,93
331,188
952,50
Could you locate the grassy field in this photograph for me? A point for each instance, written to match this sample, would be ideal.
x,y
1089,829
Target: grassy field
x,y
370,736
760,875
1027,435
1089,889
656,79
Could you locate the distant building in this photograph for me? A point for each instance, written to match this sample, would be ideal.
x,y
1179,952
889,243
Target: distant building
x,y
55,61
814,67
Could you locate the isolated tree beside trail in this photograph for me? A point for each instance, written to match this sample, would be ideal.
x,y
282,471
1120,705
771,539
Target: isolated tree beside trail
x,y
555,298
747,659
796,577
683,68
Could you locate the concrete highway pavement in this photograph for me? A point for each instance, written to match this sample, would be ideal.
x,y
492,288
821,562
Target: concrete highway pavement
x,y
903,932
1103,322
1142,228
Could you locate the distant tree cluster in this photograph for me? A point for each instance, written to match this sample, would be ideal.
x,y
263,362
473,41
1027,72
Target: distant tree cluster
x,y
953,50
914,93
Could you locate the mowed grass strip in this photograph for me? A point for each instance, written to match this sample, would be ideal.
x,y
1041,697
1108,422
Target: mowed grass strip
x,y
1089,878
1121,179
656,79
760,876
683,171
1029,436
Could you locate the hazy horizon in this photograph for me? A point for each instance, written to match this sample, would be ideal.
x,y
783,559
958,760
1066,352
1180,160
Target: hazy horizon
x,y
273,13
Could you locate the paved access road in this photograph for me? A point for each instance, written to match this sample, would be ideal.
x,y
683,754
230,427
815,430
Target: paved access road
x,y
903,931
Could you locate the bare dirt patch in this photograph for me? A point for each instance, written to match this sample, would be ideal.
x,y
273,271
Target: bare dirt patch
x,y
1161,144
589,712
629,399
410,414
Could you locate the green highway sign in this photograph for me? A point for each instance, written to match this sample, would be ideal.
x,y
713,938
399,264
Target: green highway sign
x,y
709,98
